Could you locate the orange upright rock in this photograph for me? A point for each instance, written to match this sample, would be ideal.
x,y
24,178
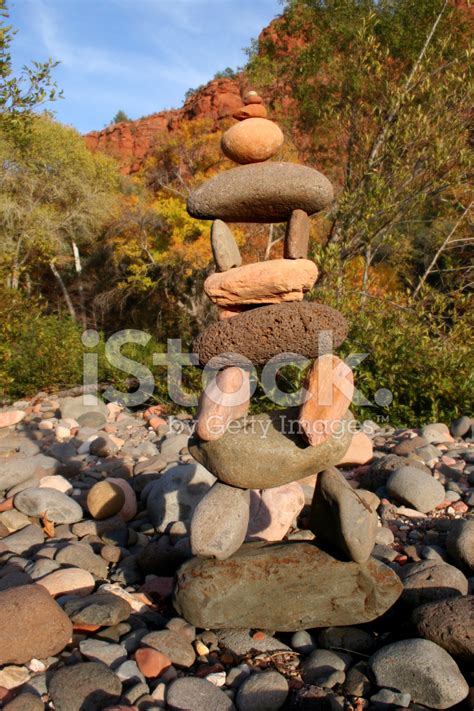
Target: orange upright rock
x,y
330,387
226,398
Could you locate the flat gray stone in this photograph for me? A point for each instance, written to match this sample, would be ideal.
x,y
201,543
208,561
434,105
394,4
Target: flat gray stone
x,y
263,192
193,694
220,521
58,507
101,608
322,662
416,489
82,556
88,686
241,642
174,644
460,543
423,670
431,580
264,691
98,651
350,639
15,470
175,495
342,517
286,587
263,451
21,541
224,247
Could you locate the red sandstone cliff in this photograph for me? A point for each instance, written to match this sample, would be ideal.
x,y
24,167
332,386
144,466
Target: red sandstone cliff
x,y
132,141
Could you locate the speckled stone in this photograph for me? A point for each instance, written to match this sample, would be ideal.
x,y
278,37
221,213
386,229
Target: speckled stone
x,y
285,587
263,451
450,624
224,247
296,241
262,333
342,518
264,192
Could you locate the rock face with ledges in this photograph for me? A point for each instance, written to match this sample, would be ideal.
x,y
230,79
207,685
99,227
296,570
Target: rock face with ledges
x,y
263,192
263,451
285,587
308,329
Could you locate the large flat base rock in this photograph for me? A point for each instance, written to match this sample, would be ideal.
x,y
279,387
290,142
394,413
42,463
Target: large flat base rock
x,y
284,587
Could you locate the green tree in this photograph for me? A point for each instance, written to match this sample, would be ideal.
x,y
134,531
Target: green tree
x,y
120,116
55,199
20,95
380,88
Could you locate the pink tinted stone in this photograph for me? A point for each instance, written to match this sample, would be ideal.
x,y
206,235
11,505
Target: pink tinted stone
x,y
330,387
360,450
226,398
272,511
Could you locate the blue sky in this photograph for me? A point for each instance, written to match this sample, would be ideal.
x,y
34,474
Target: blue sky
x,y
137,55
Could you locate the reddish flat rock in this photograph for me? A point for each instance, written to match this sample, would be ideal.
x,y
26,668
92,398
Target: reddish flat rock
x,y
269,282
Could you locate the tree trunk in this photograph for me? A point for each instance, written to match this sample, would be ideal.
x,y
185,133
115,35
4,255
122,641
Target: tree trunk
x,y
67,298
78,266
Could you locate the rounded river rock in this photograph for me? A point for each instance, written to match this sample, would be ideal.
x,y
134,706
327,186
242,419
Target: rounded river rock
x,y
265,450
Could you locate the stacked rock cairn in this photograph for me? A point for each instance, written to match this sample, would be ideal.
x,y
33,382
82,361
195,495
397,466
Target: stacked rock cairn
x,y
296,584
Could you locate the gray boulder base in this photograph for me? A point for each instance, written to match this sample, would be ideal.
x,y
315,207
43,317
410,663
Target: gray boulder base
x,y
285,587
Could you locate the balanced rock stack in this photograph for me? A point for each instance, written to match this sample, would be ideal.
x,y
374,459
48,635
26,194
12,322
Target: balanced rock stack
x,y
263,317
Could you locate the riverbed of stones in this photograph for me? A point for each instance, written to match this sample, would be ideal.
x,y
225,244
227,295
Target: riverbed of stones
x,y
95,519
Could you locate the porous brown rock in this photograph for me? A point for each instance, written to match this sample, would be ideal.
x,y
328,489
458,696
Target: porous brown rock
x,y
32,625
271,282
265,450
450,624
308,329
252,140
296,241
284,587
264,192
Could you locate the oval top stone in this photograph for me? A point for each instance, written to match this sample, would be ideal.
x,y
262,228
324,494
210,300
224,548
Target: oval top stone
x,y
263,192
307,328
253,140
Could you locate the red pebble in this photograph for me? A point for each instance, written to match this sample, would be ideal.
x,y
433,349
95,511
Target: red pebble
x,y
460,507
202,672
258,636
151,662
401,559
